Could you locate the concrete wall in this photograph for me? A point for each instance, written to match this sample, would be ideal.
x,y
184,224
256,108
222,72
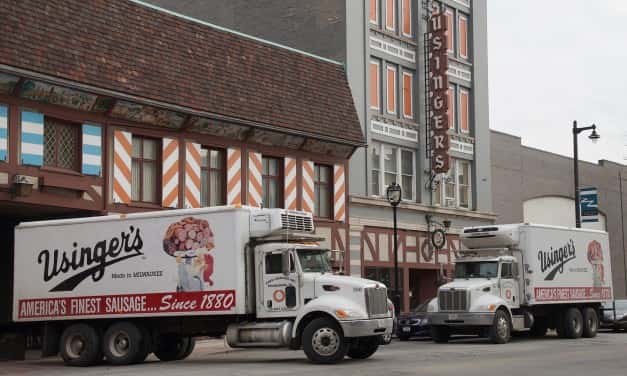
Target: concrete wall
x,y
521,173
317,27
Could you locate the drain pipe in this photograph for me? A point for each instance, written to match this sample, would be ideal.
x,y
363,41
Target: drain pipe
x,y
622,222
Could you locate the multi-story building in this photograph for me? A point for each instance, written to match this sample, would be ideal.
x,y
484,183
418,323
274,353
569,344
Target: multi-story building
x,y
382,45
115,107
536,186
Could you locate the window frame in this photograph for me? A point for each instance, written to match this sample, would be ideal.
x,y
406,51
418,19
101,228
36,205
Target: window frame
x,y
406,11
380,146
329,184
158,173
464,112
461,17
439,195
376,86
389,68
209,169
452,106
450,41
376,20
280,178
411,95
387,26
77,130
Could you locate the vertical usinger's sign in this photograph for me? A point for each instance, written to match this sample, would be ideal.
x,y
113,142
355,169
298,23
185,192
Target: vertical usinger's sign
x,y
589,202
438,98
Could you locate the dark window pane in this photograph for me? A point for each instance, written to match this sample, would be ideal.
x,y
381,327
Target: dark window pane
x,y
274,263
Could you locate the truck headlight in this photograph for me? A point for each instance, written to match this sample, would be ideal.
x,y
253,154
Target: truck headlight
x,y
345,313
488,307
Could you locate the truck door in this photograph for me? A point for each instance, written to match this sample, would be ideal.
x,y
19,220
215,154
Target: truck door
x,y
509,284
280,282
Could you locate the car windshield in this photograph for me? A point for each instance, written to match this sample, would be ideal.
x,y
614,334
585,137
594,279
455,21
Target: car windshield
x,y
422,307
479,269
314,260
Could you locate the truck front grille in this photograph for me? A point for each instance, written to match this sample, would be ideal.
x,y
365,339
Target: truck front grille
x,y
453,300
296,222
377,301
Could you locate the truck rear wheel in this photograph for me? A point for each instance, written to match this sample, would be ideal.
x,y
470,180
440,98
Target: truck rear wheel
x,y
323,341
501,330
572,323
364,347
173,347
440,334
124,343
80,345
590,322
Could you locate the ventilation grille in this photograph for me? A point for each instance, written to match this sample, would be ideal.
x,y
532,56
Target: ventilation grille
x,y
377,301
453,300
296,222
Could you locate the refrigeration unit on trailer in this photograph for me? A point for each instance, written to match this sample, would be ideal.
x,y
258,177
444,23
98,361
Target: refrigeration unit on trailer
x,y
125,286
525,277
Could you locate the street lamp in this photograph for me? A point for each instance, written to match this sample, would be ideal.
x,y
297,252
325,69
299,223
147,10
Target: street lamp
x,y
594,137
393,193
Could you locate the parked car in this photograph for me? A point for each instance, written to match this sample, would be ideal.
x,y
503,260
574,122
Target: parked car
x,y
615,315
414,323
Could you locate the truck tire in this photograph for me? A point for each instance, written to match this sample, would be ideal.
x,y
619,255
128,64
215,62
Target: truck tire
x,y
80,345
173,347
590,322
124,343
363,347
440,334
501,330
572,323
323,341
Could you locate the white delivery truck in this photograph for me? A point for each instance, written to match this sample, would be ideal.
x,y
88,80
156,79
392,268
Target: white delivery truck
x,y
525,277
123,286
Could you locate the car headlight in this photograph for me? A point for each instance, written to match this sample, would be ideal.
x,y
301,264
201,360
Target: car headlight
x,y
425,321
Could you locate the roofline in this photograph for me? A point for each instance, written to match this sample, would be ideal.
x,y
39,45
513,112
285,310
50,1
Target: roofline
x,y
170,106
238,33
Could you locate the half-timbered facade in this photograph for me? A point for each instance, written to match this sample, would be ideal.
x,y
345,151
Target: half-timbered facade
x,y
115,107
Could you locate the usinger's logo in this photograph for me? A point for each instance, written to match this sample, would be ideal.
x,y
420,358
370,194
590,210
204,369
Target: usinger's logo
x,y
554,259
97,258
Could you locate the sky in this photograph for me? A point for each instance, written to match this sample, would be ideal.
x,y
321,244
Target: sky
x,y
555,61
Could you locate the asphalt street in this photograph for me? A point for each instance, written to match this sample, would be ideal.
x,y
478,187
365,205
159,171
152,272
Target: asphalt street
x,y
604,355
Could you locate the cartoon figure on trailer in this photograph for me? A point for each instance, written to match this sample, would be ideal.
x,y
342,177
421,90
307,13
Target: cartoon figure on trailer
x,y
190,240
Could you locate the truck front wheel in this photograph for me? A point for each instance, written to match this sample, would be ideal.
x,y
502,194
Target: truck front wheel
x,y
440,334
363,347
572,323
124,343
590,322
501,329
80,345
323,341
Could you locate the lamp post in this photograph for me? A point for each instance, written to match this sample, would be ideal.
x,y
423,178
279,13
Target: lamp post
x,y
594,137
393,194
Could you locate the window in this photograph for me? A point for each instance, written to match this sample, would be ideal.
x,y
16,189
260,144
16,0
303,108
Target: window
x,y
450,41
407,18
274,263
61,144
391,89
507,271
323,187
451,106
146,182
464,111
455,189
390,14
375,159
392,164
408,97
212,177
272,176
374,84
463,36
374,12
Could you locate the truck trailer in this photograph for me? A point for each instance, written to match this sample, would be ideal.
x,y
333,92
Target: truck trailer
x,y
121,287
525,277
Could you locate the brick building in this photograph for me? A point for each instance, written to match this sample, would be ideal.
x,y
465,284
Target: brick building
x,y
383,44
115,107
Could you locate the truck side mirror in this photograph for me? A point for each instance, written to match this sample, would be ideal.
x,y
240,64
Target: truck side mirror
x,y
285,263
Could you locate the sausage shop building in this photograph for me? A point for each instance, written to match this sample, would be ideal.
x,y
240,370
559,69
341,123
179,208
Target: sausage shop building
x,y
114,107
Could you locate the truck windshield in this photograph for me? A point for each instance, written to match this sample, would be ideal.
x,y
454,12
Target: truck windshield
x,y
314,260
479,269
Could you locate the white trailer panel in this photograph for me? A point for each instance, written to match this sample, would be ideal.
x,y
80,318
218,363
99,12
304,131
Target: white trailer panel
x,y
565,265
188,262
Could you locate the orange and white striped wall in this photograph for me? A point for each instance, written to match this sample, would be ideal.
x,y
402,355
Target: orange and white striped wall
x,y
170,175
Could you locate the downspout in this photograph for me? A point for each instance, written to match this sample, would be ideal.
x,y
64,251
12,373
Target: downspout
x,y
622,223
